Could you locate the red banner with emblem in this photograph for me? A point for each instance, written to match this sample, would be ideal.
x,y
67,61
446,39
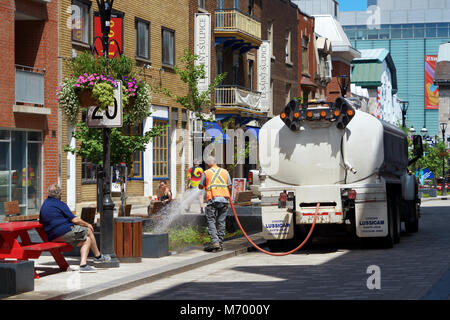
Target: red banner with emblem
x,y
116,33
431,90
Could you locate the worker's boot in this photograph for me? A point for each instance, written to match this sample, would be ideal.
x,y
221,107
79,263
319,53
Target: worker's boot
x,y
213,247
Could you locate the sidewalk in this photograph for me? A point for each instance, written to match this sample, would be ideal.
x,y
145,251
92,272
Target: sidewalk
x,y
72,285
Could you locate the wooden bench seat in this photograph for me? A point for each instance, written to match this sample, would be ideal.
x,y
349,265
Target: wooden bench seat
x,y
34,251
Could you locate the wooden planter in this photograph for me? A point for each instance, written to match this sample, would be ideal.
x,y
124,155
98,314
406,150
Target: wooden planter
x,y
87,99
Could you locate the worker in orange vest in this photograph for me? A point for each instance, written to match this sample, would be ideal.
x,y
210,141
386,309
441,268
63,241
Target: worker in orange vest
x,y
217,183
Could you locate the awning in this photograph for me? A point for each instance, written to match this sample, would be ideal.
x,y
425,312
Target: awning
x,y
215,132
366,74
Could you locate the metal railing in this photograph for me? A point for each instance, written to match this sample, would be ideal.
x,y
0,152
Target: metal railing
x,y
29,85
232,19
236,96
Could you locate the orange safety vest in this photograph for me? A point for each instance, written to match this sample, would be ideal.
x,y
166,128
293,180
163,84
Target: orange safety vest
x,y
216,183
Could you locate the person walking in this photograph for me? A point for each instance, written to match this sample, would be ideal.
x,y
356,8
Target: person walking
x,y
194,176
61,225
217,183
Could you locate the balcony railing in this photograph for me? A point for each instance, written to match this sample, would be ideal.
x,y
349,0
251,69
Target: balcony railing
x,y
29,85
235,96
233,20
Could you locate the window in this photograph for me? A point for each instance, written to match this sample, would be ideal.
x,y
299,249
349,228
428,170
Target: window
x,y
88,172
219,55
270,36
142,39
237,4
136,169
236,58
168,47
288,47
81,21
21,170
161,151
250,7
250,75
219,4
201,4
305,56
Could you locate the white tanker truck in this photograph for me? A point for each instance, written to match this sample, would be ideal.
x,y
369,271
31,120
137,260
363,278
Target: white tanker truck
x,y
354,164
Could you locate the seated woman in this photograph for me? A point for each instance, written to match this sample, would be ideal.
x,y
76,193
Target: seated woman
x,y
164,197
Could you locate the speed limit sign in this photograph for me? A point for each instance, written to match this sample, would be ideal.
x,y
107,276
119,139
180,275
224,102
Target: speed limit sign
x,y
109,118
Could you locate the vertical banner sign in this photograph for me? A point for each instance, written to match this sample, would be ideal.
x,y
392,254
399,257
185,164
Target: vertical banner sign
x,y
202,47
431,90
264,56
116,33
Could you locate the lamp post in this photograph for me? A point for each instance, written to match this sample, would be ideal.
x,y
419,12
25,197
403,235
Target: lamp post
x,y
405,105
444,180
107,216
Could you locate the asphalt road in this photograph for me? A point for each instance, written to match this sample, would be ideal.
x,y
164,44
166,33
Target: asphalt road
x,y
416,268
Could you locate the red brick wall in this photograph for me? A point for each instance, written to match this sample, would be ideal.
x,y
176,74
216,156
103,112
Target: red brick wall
x,y
333,90
305,26
7,8
283,15
34,44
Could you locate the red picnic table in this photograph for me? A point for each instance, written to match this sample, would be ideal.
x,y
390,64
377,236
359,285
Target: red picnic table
x,y
11,248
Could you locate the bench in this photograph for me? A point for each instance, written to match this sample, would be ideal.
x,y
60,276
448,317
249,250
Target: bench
x,y
11,248
33,251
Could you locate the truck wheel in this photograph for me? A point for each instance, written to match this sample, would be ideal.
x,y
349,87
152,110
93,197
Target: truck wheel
x,y
388,241
397,223
413,226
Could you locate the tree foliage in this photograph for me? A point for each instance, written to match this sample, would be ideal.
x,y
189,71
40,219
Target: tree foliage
x,y
191,73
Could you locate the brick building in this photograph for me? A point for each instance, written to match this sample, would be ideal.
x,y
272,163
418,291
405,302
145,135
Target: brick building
x,y
227,38
155,34
279,26
29,121
342,53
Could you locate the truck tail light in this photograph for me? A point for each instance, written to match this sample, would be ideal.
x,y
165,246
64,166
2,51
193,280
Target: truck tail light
x,y
352,194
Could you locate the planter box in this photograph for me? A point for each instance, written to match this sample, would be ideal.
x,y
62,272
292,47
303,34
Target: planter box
x,y
155,245
16,277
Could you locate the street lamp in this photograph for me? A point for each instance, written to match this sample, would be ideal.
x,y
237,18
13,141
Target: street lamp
x,y
107,216
424,132
444,180
405,105
412,130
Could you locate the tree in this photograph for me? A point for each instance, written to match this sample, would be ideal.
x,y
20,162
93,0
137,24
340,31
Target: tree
x,y
197,102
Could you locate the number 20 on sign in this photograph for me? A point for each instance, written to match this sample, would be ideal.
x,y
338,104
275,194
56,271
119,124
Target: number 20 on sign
x,y
109,118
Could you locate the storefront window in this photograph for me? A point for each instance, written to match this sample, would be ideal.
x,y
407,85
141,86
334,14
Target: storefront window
x,y
20,170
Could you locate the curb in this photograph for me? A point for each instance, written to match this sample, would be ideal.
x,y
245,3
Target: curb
x,y
434,198
126,283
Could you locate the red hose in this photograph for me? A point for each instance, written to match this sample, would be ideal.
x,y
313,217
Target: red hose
x,y
276,253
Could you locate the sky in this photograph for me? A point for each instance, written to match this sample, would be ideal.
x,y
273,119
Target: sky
x,y
352,5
